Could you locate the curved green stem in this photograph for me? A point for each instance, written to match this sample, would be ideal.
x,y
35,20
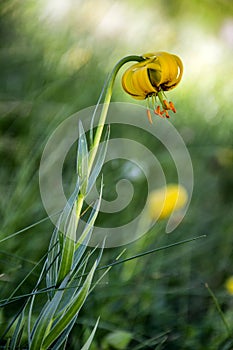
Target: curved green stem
x,y
69,245
109,89
101,123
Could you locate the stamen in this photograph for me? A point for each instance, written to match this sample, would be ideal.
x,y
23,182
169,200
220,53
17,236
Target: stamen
x,y
161,96
166,104
172,107
166,112
153,99
155,106
158,112
149,115
148,111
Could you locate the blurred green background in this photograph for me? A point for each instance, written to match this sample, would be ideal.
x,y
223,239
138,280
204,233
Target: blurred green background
x,y
54,58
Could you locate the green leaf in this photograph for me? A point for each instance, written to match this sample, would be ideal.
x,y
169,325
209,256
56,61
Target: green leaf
x,y
91,220
66,259
32,298
89,340
82,160
69,221
52,261
71,312
68,244
61,341
12,322
66,223
118,340
73,286
17,335
44,321
160,345
100,160
97,109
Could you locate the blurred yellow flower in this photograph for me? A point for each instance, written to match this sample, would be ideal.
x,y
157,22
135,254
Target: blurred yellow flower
x,y
162,202
229,285
159,72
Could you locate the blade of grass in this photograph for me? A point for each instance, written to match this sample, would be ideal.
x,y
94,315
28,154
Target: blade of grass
x,y
151,251
221,314
17,335
27,228
89,340
18,314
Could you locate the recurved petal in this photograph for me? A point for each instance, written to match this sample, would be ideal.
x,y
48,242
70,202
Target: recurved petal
x,y
167,66
172,68
136,81
128,86
142,82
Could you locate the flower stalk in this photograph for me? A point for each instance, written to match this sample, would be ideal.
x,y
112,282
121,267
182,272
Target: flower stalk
x,y
94,146
153,74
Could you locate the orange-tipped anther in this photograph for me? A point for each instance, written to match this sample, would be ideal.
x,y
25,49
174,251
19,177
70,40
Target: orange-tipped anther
x,y
166,113
166,104
172,107
158,112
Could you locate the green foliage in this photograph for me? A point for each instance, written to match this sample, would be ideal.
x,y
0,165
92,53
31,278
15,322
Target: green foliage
x,y
50,68
117,340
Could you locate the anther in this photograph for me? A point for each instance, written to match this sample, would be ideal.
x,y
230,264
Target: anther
x,y
158,112
172,107
166,104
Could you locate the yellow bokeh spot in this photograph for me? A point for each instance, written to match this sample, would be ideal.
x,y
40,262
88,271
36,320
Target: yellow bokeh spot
x,y
229,285
162,202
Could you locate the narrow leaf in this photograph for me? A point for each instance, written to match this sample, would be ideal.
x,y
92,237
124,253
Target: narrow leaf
x,y
72,287
82,159
62,339
66,259
89,340
68,211
69,237
43,323
71,312
91,220
16,337
99,162
52,260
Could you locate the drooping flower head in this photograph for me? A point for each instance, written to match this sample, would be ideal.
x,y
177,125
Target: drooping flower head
x,y
159,72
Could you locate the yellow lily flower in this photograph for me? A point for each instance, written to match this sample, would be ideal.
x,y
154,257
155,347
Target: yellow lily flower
x,y
162,202
159,72
229,285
